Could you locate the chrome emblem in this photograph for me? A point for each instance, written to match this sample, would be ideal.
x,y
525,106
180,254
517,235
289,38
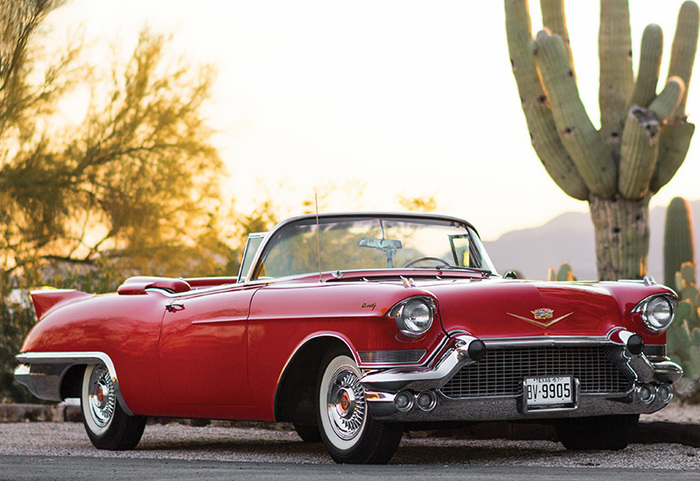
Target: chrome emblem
x,y
543,313
539,315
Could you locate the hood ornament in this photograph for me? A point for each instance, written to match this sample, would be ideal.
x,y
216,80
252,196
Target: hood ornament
x,y
539,316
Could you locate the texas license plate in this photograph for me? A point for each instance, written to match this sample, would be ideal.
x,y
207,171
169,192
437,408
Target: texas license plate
x,y
548,391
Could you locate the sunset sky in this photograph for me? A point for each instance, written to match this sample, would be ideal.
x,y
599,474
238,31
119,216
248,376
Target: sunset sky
x,y
390,97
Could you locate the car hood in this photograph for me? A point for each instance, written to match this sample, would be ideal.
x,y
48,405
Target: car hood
x,y
507,308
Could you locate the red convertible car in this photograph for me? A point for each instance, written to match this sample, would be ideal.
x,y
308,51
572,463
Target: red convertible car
x,y
355,327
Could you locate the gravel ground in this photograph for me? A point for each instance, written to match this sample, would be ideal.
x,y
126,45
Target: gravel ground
x,y
177,441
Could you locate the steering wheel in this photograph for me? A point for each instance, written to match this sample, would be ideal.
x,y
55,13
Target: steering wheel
x,y
442,262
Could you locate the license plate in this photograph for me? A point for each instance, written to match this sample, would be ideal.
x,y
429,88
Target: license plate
x,y
548,391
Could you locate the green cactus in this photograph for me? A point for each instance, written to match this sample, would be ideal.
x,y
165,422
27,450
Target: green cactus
x,y
679,246
643,139
683,337
564,274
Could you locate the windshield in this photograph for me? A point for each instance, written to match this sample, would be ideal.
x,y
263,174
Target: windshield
x,y
370,243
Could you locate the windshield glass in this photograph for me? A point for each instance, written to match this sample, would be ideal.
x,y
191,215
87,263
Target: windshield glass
x,y
370,243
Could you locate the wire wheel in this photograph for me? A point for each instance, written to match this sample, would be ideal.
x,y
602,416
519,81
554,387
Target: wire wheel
x,y
101,398
107,424
345,424
346,403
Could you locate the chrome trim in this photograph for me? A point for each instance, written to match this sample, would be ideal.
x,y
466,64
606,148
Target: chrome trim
x,y
381,386
402,356
42,372
381,407
641,309
454,358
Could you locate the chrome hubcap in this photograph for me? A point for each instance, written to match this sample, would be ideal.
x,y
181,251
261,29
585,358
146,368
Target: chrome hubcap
x,y
101,396
346,403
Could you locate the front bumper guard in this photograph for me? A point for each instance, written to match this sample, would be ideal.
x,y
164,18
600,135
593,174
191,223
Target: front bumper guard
x,y
382,387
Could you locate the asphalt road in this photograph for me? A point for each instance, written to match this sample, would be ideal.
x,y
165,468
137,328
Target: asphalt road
x,y
26,468
30,451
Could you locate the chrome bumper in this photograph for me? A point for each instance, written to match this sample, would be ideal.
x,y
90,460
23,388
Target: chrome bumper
x,y
43,372
651,387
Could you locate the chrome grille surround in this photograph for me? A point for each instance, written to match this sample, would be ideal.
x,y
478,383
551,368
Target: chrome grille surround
x,y
502,370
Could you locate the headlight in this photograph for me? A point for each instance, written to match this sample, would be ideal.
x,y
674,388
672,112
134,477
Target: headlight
x,y
657,311
414,316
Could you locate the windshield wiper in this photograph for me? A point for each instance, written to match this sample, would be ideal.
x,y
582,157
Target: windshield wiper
x,y
483,272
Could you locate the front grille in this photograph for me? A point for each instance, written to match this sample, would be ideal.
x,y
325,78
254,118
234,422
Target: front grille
x,y
501,371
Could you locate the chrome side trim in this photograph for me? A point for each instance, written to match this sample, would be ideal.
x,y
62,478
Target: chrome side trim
x,y
403,356
42,372
453,359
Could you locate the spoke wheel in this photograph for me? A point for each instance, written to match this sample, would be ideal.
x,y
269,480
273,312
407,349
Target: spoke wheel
x,y
346,427
101,399
106,423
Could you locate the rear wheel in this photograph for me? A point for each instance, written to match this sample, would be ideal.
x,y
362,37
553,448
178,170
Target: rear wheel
x,y
106,423
346,427
603,432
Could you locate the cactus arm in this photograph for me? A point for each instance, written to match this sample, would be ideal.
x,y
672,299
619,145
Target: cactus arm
x,y
543,132
674,143
638,153
683,50
579,136
616,74
679,245
554,18
649,65
667,101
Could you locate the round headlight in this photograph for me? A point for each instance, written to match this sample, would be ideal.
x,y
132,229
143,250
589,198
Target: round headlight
x,y
414,316
657,312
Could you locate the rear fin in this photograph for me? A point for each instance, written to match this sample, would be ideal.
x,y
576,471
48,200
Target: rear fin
x,y
46,299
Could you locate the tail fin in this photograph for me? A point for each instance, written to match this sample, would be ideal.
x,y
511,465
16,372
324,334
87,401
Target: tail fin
x,y
46,299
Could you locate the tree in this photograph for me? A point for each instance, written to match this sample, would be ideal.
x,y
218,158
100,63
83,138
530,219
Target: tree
x,y
135,183
643,138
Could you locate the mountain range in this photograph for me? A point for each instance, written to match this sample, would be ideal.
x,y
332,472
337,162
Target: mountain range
x,y
569,238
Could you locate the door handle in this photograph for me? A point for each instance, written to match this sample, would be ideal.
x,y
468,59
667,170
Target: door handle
x,y
175,306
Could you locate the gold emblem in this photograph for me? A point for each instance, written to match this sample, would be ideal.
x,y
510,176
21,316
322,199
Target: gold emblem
x,y
539,315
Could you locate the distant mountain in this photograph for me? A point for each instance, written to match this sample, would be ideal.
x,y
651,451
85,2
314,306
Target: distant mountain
x,y
569,238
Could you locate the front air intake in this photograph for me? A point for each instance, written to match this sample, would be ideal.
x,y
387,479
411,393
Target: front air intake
x,y
501,371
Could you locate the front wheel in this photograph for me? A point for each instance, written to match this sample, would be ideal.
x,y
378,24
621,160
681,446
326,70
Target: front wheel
x,y
346,427
106,423
602,432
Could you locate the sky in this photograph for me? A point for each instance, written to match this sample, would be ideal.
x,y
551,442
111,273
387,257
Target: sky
x,y
365,101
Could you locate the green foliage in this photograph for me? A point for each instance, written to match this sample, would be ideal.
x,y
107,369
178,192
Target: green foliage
x,y
16,319
683,337
136,182
644,136
131,188
679,246
418,204
564,274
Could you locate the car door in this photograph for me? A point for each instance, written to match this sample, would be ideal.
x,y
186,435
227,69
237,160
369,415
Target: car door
x,y
203,348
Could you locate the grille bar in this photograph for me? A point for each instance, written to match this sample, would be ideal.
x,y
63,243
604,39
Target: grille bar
x,y
501,371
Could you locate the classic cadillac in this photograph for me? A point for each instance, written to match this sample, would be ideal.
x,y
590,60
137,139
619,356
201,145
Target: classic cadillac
x,y
355,327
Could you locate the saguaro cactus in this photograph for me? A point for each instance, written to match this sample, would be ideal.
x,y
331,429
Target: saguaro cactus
x,y
643,138
679,246
683,337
